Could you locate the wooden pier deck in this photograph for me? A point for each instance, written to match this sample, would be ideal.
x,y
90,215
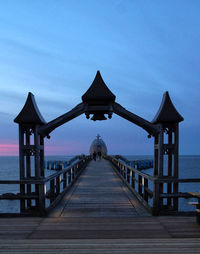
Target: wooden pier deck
x,y
99,215
99,192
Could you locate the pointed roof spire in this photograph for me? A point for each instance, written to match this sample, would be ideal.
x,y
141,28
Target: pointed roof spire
x,y
167,112
98,136
30,112
98,92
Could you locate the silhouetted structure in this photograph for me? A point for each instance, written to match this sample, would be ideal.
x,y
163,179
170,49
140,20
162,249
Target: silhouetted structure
x,y
98,145
99,101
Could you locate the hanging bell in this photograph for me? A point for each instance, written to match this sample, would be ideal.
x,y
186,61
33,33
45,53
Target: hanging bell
x,y
98,116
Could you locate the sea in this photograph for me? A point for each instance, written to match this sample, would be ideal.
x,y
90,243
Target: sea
x,y
189,167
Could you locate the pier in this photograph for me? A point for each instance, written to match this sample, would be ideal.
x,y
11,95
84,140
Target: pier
x,y
99,192
107,206
99,214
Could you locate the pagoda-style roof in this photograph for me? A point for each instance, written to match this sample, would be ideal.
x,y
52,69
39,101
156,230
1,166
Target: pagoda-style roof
x,y
30,113
167,112
98,92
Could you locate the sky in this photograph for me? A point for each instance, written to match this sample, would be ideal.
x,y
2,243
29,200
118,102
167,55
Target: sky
x,y
142,48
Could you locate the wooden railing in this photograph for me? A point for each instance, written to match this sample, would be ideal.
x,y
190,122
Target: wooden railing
x,y
136,180
46,192
148,188
138,164
60,164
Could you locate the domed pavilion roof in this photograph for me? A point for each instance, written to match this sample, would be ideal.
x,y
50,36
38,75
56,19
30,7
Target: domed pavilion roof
x,y
98,145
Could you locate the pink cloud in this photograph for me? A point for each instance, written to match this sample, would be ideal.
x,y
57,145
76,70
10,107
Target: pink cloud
x,y
9,149
12,150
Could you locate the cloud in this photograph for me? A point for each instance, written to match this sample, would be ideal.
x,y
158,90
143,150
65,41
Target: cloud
x,y
20,46
9,149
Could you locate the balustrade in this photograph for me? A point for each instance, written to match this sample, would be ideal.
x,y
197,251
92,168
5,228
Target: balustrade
x,y
48,190
149,189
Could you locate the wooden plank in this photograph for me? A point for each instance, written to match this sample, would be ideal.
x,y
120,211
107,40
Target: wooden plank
x,y
116,214
166,227
100,193
101,246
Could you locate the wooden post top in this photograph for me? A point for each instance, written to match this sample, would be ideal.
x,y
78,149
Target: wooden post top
x,y
167,112
98,92
30,113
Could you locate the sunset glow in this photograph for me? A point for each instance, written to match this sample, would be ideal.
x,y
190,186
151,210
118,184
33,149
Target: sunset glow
x,y
12,150
9,149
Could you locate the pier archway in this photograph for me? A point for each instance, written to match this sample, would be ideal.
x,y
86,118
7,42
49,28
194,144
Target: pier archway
x,y
99,101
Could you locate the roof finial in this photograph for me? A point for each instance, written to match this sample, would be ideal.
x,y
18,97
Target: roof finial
x,y
30,112
98,136
98,92
167,112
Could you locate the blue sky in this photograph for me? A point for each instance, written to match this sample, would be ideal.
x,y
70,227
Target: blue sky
x,y
53,49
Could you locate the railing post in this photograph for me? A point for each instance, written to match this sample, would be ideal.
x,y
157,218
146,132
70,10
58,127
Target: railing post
x,y
67,179
140,185
57,185
71,174
64,180
156,199
42,194
145,190
52,190
130,177
133,179
126,173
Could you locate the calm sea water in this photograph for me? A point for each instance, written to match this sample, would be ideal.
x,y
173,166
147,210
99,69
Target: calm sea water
x,y
189,167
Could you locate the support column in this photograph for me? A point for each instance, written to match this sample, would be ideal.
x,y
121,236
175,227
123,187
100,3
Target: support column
x,y
168,120
176,166
31,157
158,171
21,167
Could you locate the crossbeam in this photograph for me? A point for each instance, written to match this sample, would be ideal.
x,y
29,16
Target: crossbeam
x,y
81,108
146,125
52,125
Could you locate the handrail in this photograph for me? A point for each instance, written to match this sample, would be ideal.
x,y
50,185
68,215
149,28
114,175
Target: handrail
x,y
138,182
48,178
33,180
177,180
59,164
28,181
48,190
152,178
139,164
128,174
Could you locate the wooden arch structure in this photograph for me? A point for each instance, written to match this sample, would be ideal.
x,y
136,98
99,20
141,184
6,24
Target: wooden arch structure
x,y
99,101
